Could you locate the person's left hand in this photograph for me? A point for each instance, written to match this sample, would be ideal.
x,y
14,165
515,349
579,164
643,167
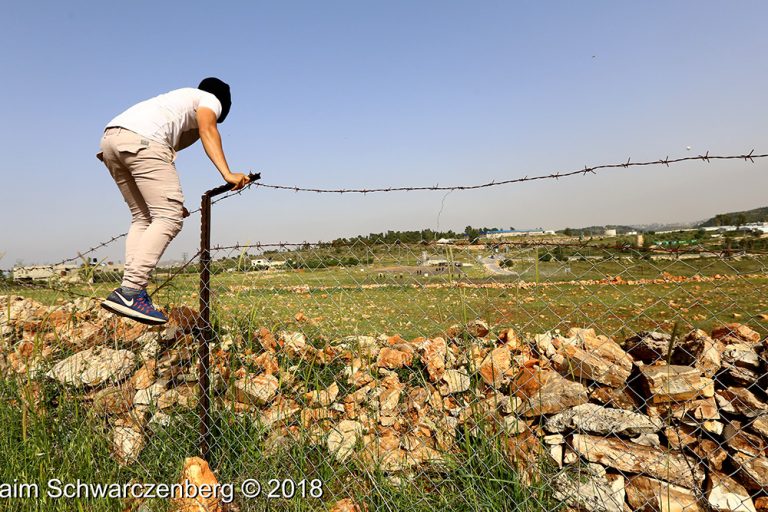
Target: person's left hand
x,y
184,212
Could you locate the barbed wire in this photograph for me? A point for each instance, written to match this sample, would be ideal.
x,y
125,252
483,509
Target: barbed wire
x,y
693,249
555,175
747,157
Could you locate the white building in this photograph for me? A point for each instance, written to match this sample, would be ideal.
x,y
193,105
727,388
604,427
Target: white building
x,y
43,272
262,264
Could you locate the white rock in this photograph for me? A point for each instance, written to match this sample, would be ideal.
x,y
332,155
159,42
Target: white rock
x,y
127,444
727,495
342,439
94,367
456,381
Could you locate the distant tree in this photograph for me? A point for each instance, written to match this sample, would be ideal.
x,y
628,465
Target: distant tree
x,y
472,234
740,220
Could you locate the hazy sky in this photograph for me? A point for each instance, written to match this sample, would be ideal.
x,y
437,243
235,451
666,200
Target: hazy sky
x,y
363,94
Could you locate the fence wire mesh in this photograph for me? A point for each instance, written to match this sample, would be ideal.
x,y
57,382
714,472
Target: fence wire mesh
x,y
537,373
545,374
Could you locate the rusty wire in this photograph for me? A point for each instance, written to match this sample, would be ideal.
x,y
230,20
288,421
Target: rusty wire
x,y
747,157
555,175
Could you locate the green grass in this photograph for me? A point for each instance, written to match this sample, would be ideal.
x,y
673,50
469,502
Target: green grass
x,y
66,442
358,300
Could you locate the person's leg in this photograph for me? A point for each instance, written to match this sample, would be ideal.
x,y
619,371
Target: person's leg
x,y
111,145
156,180
147,178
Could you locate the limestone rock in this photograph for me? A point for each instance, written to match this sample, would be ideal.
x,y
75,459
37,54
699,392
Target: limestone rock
x,y
693,412
258,390
712,453
743,441
323,398
393,359
433,356
294,343
650,495
198,473
477,328
546,392
590,493
455,381
742,401
113,400
145,376
651,440
736,333
649,346
580,363
742,363
700,351
148,397
342,438
616,453
670,383
616,398
127,443
94,367
752,471
495,365
727,495
760,425
600,420
345,505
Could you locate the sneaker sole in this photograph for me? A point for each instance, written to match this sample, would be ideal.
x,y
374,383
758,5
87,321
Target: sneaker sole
x,y
121,310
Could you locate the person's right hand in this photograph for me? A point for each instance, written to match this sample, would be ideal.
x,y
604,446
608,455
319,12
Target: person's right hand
x,y
238,179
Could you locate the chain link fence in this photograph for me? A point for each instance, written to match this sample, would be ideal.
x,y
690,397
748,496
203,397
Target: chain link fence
x,y
538,373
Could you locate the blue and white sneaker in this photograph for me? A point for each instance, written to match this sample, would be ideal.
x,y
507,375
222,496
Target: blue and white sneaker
x,y
138,307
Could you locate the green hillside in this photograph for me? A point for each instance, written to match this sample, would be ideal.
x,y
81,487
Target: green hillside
x,y
738,218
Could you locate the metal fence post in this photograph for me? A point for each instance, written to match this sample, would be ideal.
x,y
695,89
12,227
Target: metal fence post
x,y
205,331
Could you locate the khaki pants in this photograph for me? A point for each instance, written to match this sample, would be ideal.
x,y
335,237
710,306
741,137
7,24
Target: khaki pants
x,y
143,170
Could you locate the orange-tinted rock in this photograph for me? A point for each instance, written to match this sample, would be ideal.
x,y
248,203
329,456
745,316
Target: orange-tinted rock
x,y
198,473
546,392
625,456
185,318
700,351
145,376
266,340
392,358
670,383
346,505
650,495
433,356
736,333
495,365
267,362
257,390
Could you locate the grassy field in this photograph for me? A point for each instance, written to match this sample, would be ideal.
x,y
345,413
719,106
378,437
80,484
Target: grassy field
x,y
65,441
383,296
388,296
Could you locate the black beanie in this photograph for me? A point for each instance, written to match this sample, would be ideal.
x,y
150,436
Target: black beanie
x,y
221,91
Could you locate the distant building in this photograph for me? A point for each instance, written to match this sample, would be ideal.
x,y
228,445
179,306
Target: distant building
x,y
609,232
262,264
761,227
510,233
43,272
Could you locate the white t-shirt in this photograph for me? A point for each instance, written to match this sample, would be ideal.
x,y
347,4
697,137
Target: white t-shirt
x,y
169,118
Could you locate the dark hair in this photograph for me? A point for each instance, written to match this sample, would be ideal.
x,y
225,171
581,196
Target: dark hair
x,y
221,91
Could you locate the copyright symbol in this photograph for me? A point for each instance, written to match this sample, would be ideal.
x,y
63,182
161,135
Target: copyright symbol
x,y
250,488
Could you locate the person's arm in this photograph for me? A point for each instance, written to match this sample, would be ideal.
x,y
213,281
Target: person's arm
x,y
209,135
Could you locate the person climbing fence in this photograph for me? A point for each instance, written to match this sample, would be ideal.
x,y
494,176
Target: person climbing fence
x,y
139,148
